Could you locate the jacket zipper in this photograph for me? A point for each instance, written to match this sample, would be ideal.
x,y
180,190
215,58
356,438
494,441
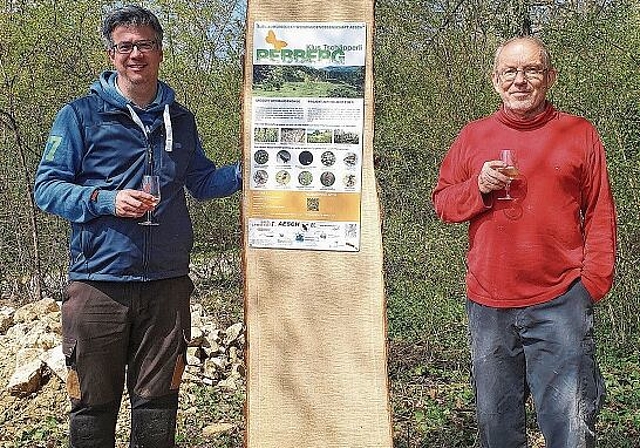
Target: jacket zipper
x,y
148,169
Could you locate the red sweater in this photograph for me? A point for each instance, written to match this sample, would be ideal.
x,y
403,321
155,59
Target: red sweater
x,y
566,228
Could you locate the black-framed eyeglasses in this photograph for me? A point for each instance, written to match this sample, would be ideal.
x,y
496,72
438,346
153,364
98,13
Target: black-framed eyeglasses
x,y
143,46
529,73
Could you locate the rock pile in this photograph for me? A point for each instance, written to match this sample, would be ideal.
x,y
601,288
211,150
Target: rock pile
x,y
215,357
33,335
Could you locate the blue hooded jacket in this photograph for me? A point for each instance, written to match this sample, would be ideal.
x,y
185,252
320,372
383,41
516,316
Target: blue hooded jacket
x,y
100,144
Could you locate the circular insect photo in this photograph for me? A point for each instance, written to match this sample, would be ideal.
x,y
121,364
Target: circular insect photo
x,y
283,156
260,177
349,180
305,178
305,158
261,157
327,179
283,177
328,158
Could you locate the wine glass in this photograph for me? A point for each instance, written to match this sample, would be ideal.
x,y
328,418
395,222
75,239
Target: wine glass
x,y
508,156
151,185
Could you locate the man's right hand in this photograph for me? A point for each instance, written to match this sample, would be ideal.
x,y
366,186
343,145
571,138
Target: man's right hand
x,y
133,203
490,178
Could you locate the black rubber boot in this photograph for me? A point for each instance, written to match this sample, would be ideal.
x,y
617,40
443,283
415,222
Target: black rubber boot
x,y
93,426
153,422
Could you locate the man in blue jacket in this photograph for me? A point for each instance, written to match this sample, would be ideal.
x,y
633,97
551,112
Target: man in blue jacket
x,y
127,304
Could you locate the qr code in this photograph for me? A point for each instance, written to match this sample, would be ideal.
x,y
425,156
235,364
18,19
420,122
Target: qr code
x,y
313,204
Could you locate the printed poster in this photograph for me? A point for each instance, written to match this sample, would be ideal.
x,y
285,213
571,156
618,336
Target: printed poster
x,y
307,133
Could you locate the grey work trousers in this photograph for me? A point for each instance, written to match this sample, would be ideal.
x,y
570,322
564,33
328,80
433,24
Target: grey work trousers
x,y
546,350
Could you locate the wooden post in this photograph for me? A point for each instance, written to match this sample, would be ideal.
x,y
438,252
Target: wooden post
x,y
316,319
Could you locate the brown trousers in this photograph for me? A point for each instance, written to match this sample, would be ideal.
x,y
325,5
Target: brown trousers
x,y
113,330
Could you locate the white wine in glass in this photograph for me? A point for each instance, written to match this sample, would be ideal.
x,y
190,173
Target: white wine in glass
x,y
508,156
151,185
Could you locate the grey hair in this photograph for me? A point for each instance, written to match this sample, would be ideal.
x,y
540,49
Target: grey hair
x,y
130,15
545,55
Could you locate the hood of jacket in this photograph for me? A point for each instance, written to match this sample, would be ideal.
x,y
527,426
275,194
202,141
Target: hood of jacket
x,y
105,87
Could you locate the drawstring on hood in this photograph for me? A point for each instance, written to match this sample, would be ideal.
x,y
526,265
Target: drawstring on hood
x,y
168,138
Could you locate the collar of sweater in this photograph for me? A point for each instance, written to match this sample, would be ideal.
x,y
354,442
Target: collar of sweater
x,y
530,123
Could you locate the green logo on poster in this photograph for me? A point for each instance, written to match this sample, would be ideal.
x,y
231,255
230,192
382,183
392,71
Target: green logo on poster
x,y
332,54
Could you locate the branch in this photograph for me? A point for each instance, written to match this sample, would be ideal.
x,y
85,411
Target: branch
x,y
9,121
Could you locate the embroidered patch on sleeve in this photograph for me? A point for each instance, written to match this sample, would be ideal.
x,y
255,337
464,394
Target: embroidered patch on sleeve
x,y
52,146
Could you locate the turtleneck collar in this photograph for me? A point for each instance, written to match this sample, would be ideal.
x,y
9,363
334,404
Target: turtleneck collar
x,y
536,122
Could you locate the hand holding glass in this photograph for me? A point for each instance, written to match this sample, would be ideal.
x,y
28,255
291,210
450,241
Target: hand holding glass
x,y
508,156
151,185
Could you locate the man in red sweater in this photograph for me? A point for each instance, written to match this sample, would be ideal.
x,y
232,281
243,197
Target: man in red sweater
x,y
542,233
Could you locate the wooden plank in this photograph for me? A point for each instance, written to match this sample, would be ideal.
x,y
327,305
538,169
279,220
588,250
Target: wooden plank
x,y
316,320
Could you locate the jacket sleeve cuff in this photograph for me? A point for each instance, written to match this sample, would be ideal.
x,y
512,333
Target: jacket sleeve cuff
x,y
105,203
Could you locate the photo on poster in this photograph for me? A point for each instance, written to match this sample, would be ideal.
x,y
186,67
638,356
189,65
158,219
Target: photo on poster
x,y
302,81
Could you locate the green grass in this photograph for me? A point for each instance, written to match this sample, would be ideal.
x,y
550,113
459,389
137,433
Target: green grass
x,y
208,406
46,430
432,405
433,402
431,397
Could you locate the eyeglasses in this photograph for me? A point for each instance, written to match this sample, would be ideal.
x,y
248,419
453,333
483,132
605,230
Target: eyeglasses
x,y
143,46
529,73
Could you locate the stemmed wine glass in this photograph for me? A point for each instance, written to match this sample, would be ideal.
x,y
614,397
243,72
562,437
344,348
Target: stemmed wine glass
x,y
508,156
151,185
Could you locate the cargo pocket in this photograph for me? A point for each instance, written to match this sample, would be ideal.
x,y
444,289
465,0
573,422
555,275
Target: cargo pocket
x,y
73,380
